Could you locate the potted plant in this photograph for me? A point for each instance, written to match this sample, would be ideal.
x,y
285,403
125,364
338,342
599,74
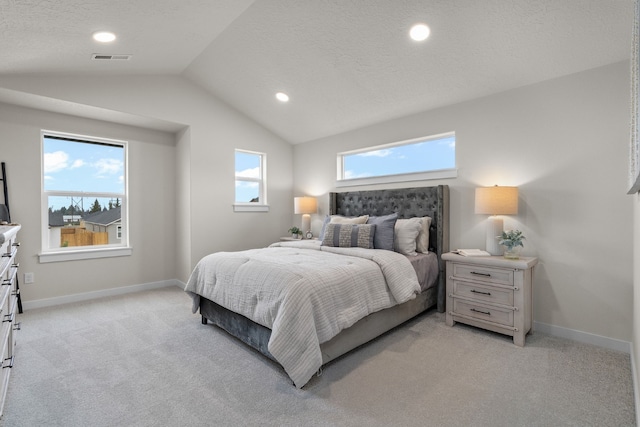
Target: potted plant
x,y
512,242
296,233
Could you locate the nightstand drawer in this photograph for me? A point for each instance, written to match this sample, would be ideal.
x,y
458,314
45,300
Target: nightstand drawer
x,y
491,314
480,292
484,274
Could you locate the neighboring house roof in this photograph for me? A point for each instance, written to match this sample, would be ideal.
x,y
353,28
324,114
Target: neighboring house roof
x,y
104,217
56,220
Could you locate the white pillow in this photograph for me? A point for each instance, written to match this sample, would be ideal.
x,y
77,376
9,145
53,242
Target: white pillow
x,y
337,219
406,233
422,244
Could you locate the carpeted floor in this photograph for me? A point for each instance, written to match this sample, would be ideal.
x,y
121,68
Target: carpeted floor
x,y
144,360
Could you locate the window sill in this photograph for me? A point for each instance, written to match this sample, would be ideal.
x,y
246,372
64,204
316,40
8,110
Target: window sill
x,y
251,208
387,179
74,255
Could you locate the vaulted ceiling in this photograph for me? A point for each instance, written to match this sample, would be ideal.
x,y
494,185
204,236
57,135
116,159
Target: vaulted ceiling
x,y
344,63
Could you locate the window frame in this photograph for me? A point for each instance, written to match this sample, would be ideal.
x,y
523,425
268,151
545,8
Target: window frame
x,y
398,177
261,205
58,254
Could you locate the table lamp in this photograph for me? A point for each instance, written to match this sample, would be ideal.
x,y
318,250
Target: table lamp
x,y
305,206
496,201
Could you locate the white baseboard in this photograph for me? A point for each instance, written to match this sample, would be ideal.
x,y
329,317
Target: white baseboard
x,y
583,337
634,377
48,302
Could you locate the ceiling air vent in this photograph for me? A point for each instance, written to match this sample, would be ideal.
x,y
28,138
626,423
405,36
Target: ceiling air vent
x,y
101,57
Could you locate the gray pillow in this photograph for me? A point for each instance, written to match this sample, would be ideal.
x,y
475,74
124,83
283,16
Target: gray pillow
x,y
383,238
349,235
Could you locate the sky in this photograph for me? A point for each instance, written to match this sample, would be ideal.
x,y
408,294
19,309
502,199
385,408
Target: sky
x,y
435,154
82,167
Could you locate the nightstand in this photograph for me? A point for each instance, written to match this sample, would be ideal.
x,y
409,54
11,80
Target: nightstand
x,y
491,292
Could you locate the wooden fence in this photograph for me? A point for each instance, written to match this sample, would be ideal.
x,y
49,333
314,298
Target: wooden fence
x,y
72,236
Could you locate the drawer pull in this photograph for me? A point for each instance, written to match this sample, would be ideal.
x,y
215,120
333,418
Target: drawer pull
x,y
16,265
488,313
16,326
16,244
8,317
480,292
7,282
10,365
481,274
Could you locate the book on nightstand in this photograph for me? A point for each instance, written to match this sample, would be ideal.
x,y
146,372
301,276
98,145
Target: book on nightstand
x,y
471,252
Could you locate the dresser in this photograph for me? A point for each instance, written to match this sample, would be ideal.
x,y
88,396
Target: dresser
x,y
491,292
8,303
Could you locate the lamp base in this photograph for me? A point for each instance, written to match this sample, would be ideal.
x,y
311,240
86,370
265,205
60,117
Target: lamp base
x,y
495,227
306,223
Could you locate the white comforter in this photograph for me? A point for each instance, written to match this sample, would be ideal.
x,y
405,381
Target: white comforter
x,y
305,293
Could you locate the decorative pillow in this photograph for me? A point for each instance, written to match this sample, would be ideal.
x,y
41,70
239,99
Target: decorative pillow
x,y
383,238
406,234
339,219
422,244
349,235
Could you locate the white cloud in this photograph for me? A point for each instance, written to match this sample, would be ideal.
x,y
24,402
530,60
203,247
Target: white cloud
x,y
77,164
249,173
56,161
108,166
376,153
449,142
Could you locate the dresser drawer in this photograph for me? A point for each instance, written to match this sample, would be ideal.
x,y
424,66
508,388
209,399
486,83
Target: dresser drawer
x,y
482,292
480,273
491,314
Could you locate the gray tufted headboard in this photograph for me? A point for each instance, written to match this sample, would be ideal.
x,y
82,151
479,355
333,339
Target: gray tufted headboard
x,y
407,203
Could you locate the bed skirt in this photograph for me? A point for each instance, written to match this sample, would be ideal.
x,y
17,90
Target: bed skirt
x,y
363,331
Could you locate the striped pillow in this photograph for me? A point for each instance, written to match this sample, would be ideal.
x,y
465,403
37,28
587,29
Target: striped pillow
x,y
349,235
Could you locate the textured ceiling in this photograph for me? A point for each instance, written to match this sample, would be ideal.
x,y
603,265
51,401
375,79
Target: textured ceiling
x,y
345,64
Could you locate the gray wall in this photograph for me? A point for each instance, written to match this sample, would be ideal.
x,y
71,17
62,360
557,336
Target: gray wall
x,y
564,143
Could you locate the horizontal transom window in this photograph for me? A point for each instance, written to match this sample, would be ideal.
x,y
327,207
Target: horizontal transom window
x,y
431,157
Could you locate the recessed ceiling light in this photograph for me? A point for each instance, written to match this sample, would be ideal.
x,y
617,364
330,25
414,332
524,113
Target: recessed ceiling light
x,y
104,36
419,32
282,97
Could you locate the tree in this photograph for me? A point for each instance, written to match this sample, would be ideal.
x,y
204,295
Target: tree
x,y
95,207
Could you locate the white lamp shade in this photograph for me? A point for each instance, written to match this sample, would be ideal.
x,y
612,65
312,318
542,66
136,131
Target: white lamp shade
x,y
497,200
305,205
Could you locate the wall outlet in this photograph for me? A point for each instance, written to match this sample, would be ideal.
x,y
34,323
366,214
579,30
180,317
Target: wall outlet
x,y
28,278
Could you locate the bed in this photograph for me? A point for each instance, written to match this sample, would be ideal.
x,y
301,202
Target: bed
x,y
432,202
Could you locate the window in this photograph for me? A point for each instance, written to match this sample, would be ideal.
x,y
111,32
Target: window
x,y
432,157
250,172
84,197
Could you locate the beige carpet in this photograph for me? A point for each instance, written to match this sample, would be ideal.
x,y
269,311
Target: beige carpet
x,y
144,360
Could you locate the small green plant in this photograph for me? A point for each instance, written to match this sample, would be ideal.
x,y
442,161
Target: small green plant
x,y
510,239
295,230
